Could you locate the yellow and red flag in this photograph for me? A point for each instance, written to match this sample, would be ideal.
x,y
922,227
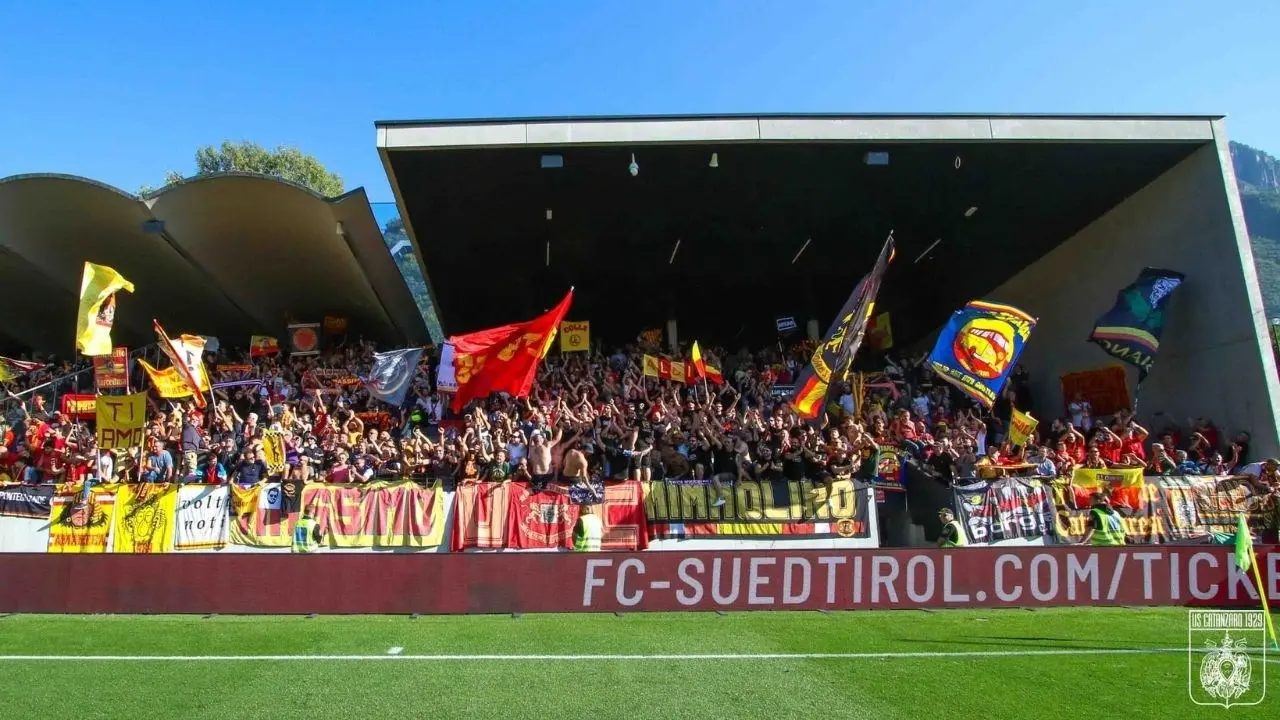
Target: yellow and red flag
x,y
503,359
698,366
678,371
260,345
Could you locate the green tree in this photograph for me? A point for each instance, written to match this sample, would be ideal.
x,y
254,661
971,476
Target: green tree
x,y
285,162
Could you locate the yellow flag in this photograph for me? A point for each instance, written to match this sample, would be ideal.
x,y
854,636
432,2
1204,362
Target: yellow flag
x,y
575,336
97,311
121,420
650,366
145,517
169,382
677,371
1021,425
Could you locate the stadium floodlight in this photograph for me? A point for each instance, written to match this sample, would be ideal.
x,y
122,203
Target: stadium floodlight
x,y
552,161
878,157
801,250
634,167
715,160
971,211
927,250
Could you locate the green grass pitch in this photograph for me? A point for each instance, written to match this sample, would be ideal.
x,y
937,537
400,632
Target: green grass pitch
x,y
1067,663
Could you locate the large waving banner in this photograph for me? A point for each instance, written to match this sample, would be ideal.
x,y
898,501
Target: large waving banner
x,y
78,525
544,520
202,518
480,516
144,518
781,512
378,515
980,346
1011,511
1131,329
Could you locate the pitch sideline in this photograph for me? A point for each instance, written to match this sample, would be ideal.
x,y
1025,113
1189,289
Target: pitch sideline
x,y
606,657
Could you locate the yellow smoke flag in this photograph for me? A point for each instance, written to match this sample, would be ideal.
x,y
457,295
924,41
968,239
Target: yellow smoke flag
x,y
97,311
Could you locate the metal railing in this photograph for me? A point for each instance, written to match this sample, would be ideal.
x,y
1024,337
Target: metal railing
x,y
70,383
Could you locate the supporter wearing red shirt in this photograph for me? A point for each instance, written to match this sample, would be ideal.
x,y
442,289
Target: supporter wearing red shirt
x,y
1073,444
902,428
1131,439
1110,446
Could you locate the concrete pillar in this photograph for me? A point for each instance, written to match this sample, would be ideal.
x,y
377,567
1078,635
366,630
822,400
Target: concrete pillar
x,y
673,341
811,328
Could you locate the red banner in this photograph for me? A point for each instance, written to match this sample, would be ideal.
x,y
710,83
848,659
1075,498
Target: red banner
x,y
511,515
80,407
112,371
456,583
540,520
1106,389
480,516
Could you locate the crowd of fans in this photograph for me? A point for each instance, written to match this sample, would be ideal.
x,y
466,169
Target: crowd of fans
x,y
590,415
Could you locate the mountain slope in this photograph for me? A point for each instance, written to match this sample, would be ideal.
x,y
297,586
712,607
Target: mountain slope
x,y
1258,176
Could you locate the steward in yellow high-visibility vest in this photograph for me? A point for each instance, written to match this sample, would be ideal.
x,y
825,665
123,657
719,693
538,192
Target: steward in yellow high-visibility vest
x,y
306,533
588,531
1105,526
953,534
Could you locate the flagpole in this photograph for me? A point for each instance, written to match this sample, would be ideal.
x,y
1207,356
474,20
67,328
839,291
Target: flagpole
x,y
1262,593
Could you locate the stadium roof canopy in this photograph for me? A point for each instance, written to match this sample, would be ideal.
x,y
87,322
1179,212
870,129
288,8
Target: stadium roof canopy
x,y
733,221
226,255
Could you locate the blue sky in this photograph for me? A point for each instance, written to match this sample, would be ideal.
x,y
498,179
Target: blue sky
x,y
123,91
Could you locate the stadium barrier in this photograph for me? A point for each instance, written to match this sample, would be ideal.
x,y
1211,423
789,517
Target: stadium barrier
x,y
456,583
674,515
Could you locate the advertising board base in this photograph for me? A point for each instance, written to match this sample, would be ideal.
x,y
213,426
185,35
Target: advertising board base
x,y
461,583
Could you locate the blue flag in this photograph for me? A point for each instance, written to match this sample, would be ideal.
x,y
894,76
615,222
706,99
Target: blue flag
x,y
392,374
979,346
1131,329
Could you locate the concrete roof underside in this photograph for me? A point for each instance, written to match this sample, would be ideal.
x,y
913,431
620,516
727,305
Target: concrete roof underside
x,y
224,255
785,225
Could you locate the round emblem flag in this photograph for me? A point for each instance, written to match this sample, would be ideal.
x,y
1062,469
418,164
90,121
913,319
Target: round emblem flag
x,y
305,339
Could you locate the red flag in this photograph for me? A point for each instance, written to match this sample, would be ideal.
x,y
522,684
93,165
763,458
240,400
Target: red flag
x,y
664,368
713,374
503,359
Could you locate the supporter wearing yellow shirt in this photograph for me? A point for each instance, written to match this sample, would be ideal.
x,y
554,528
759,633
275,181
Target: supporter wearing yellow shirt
x,y
988,466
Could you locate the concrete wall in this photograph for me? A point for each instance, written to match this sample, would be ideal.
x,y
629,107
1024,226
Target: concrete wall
x,y
1214,358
